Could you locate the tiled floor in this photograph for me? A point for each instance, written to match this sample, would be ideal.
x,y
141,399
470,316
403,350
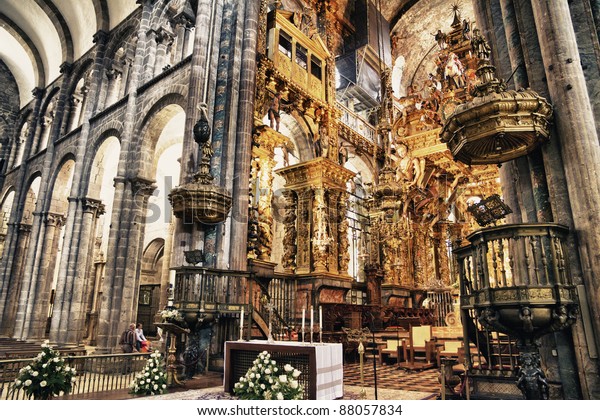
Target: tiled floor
x,y
392,383
390,377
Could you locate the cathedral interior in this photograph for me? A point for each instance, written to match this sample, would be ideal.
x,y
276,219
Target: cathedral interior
x,y
376,164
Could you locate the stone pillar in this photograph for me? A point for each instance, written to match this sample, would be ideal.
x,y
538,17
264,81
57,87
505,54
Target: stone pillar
x,y
46,125
164,40
98,274
579,144
184,232
114,83
40,303
7,325
7,264
68,316
115,310
245,122
182,29
77,106
125,78
150,55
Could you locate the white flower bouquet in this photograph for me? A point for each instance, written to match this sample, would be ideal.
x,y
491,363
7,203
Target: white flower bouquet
x,y
47,376
171,315
152,380
266,381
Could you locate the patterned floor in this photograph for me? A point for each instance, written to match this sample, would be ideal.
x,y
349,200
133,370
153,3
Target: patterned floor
x,y
390,377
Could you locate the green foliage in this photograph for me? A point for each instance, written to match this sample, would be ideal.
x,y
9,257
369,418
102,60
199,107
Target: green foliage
x,y
47,376
266,381
152,379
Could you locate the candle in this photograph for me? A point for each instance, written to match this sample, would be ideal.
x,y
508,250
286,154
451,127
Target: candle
x,y
311,320
303,316
242,321
320,318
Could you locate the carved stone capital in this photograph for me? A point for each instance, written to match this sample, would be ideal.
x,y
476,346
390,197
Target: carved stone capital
x,y
91,205
38,92
54,220
66,68
141,186
24,228
100,37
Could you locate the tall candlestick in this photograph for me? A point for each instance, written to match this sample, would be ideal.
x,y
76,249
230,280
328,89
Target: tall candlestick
x,y
311,323
320,318
242,324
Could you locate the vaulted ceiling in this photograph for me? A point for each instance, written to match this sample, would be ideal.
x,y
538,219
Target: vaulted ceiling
x,y
37,36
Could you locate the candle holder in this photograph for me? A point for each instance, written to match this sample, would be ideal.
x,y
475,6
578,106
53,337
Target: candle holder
x,y
320,335
302,332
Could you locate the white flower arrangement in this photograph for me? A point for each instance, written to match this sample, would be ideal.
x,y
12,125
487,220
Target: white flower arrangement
x,y
47,376
171,315
265,381
152,380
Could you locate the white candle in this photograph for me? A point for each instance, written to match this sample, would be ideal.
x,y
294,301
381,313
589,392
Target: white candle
x,y
311,319
242,321
320,318
303,316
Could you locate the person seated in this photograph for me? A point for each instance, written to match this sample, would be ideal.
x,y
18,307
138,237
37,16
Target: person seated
x,y
139,335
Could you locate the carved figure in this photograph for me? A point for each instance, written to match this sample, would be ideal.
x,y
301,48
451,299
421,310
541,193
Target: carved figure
x,y
274,111
532,381
454,71
480,46
440,38
466,29
409,170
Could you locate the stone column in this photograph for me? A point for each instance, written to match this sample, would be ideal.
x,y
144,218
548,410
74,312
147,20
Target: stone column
x,y
46,125
245,122
184,233
113,318
7,264
98,274
7,325
123,89
164,40
69,303
579,143
180,34
76,105
150,55
40,304
114,83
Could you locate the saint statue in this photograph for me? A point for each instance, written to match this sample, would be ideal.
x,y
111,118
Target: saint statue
x,y
480,46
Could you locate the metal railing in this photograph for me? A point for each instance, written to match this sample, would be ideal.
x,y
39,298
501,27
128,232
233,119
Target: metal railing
x,y
95,373
196,287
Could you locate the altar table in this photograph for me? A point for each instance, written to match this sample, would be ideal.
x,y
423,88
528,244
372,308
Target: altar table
x,y
321,364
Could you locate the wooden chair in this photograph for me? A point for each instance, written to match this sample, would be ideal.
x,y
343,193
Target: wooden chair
x,y
420,351
393,349
450,350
